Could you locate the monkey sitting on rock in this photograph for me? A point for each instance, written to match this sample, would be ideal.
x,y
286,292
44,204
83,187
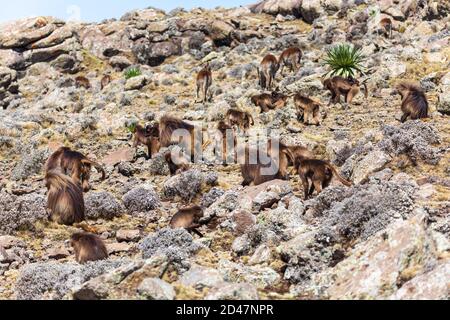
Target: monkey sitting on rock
x,y
308,110
88,247
414,101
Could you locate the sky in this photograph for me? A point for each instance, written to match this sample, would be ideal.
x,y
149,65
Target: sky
x,y
97,10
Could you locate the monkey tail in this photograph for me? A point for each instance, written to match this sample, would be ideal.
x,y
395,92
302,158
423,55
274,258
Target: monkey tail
x,y
338,176
97,166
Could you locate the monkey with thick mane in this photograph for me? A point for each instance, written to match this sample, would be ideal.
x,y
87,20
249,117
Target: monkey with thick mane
x,y
88,247
240,118
148,136
204,82
308,110
348,87
414,101
74,163
291,58
188,218
65,202
318,173
267,71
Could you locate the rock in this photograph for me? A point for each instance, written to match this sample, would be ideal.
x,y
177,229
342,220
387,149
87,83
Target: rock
x,y
223,206
154,54
65,63
282,7
220,32
102,205
136,83
114,248
233,291
443,105
243,221
119,63
7,76
126,169
176,244
128,235
7,242
53,280
156,289
30,162
58,253
121,155
141,199
262,255
21,212
373,162
261,277
199,277
241,245
265,195
310,10
185,185
209,198
391,259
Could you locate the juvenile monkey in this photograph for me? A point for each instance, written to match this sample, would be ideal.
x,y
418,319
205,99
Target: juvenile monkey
x,y
82,82
204,82
291,58
240,118
308,110
319,173
227,140
259,172
386,27
105,81
65,203
341,86
188,218
267,71
268,102
414,101
279,99
149,137
88,247
75,163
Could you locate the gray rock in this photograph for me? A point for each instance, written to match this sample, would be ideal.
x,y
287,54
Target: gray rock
x,y
156,289
185,185
261,277
372,162
119,63
128,235
233,291
136,83
141,199
102,205
199,277
31,161
209,198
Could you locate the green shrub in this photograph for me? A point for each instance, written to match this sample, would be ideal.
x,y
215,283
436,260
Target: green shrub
x,y
344,60
132,72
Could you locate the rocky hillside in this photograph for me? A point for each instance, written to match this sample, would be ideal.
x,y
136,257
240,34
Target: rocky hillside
x,y
386,237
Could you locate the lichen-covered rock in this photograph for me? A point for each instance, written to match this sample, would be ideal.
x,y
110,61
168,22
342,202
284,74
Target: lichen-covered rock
x,y
141,199
31,162
209,198
156,289
261,277
51,280
413,138
177,244
21,212
200,277
102,205
185,185
233,291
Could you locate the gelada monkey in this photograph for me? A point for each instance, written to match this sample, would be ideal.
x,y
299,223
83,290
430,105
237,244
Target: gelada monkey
x,y
317,172
76,163
65,203
267,71
291,58
240,118
204,82
88,247
348,87
149,137
105,81
176,160
291,153
414,101
188,218
225,141
308,110
268,102
386,27
82,82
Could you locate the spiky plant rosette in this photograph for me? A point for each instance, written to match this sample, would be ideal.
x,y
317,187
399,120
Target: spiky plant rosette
x,y
344,60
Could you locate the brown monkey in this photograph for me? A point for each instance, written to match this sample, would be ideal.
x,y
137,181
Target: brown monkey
x,y
204,82
319,173
65,203
82,82
291,58
414,101
177,163
188,218
105,81
268,70
341,86
279,99
386,27
88,247
149,137
225,141
268,102
168,125
76,163
308,110
240,118
291,153
263,170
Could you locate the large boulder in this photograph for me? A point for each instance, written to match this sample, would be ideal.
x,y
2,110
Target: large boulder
x,y
275,7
